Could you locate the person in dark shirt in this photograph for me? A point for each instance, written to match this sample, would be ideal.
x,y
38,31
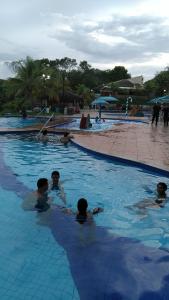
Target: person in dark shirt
x,y
156,112
165,114
42,196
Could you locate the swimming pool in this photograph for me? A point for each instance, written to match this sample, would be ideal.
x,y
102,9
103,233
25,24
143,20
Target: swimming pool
x,y
104,125
17,122
122,258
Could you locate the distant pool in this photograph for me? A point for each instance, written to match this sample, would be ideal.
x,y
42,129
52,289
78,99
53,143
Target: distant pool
x,y
51,256
17,122
103,125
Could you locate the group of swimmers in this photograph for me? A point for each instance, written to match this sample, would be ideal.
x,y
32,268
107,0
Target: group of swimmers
x,y
65,139
41,202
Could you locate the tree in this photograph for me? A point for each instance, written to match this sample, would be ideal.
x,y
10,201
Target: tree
x,y
35,81
162,82
27,77
84,66
118,73
86,93
75,78
65,64
159,85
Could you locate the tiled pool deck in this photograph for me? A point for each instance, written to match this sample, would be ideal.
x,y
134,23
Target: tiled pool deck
x,y
138,142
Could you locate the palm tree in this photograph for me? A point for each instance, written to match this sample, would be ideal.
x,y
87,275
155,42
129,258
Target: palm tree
x,y
35,81
86,93
27,74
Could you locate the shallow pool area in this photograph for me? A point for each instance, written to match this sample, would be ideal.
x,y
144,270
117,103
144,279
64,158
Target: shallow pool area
x,y
105,124
17,122
50,256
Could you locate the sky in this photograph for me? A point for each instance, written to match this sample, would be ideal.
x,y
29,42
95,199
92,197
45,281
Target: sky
x,y
106,33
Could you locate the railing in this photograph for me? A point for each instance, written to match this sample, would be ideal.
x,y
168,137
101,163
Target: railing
x,y
45,125
40,112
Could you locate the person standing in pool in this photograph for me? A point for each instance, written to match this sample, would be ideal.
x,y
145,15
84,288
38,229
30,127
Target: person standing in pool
x,y
39,199
66,138
55,184
42,196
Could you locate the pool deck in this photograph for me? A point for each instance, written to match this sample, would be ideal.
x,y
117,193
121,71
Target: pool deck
x,y
138,142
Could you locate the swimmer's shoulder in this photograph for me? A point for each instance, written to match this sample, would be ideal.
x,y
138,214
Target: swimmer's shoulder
x,y
30,201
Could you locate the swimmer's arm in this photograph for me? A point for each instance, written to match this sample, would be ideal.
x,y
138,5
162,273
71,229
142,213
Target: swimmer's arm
x,y
50,200
62,193
140,207
97,210
147,189
144,203
67,211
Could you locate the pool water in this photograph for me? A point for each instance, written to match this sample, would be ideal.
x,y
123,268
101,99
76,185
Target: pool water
x,y
42,261
16,122
103,125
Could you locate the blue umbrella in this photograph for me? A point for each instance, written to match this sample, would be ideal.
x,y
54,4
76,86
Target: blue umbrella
x,y
164,99
107,98
99,102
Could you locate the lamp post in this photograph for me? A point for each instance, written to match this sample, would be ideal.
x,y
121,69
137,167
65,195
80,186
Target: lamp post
x,y
44,78
129,99
64,78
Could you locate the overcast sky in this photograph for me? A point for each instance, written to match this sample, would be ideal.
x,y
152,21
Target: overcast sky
x,y
106,33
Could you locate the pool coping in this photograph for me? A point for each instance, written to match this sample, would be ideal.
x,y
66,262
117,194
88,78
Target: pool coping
x,y
123,160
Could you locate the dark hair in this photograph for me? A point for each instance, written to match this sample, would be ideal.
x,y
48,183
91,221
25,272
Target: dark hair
x,y
163,185
44,132
66,134
42,182
81,216
55,173
82,206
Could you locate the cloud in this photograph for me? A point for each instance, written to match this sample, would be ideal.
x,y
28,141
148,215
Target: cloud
x,y
125,39
134,34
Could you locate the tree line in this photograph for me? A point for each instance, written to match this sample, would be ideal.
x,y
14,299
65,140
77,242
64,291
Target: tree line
x,y
37,80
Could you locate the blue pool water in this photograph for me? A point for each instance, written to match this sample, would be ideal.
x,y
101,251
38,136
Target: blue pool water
x,y
75,124
52,257
16,122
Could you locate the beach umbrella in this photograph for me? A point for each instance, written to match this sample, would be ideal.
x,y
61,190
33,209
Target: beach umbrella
x,y
99,102
107,98
164,99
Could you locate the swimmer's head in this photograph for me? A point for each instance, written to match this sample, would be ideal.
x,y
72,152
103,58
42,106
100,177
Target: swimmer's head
x,y
66,134
42,185
55,177
82,206
44,132
161,188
